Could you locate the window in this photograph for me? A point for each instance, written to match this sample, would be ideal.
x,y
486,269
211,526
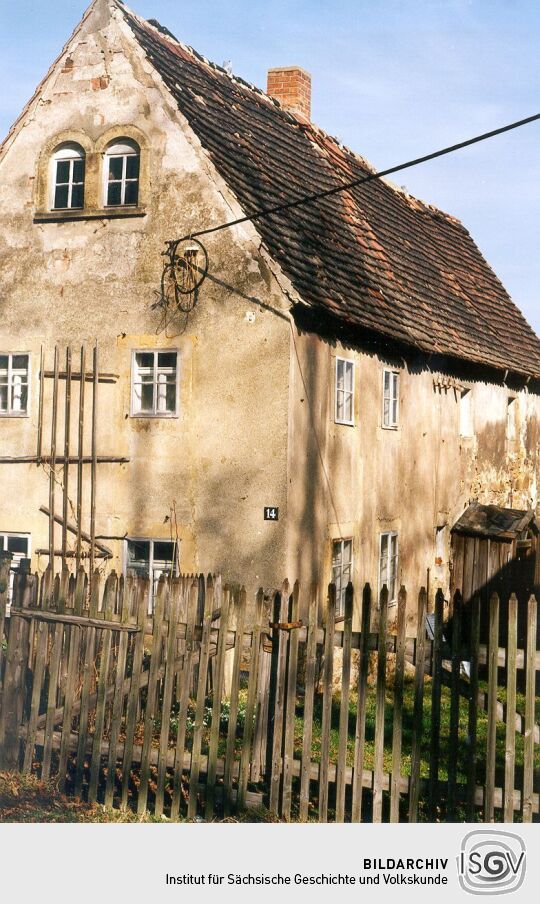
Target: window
x,y
68,178
122,164
466,413
344,413
341,571
19,546
388,565
512,429
390,412
154,387
14,372
150,559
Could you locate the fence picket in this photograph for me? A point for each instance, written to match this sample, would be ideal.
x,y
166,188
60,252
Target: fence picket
x,y
152,692
233,711
491,750
103,681
473,707
344,705
277,694
37,678
510,746
243,774
190,594
126,594
326,719
435,736
168,682
309,693
223,600
397,729
378,755
87,681
530,700
453,746
290,708
206,606
418,711
360,733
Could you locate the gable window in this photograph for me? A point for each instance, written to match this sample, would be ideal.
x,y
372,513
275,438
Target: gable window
x,y
150,559
388,564
466,413
68,178
19,546
344,394
154,384
14,372
341,571
122,165
390,411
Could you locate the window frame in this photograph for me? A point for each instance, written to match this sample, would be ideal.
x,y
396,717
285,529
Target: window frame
x,y
4,535
9,412
392,596
152,541
340,598
351,393
78,153
394,384
154,413
108,155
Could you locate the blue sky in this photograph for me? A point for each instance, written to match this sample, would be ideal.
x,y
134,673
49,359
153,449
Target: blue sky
x,y
392,79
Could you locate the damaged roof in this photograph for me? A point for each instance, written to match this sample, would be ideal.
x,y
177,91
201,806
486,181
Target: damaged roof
x,y
495,522
372,256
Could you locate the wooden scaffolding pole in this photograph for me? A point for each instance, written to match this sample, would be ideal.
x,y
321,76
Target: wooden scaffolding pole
x,y
52,473
80,451
93,472
67,419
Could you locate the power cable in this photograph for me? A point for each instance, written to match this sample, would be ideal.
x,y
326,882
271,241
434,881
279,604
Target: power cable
x,y
309,199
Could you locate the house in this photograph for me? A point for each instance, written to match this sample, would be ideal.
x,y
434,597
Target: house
x,y
346,379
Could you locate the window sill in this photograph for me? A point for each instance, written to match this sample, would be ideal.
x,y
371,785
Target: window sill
x,y
155,417
344,423
105,213
393,427
14,415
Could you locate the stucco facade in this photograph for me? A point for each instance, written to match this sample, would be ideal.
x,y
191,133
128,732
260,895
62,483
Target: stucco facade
x,y
255,423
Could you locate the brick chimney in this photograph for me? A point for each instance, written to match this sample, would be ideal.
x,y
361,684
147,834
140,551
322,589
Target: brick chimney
x,y
292,87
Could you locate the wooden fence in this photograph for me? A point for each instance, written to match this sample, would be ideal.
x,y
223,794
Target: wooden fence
x,y
217,702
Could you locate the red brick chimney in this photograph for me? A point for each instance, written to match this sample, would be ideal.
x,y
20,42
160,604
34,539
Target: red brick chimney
x,y
292,87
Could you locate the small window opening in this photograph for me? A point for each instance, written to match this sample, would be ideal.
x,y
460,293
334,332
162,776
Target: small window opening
x,y
344,391
390,412
341,571
388,565
122,166
68,178
14,371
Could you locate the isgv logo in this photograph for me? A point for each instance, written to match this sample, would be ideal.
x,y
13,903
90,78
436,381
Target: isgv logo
x,y
491,863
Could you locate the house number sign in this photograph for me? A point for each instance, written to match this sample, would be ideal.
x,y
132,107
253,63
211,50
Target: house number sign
x,y
271,513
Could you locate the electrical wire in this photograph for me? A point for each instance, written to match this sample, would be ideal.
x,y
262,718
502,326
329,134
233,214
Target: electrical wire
x,y
310,199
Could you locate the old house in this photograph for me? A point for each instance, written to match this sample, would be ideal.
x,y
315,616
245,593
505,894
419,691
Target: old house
x,y
346,379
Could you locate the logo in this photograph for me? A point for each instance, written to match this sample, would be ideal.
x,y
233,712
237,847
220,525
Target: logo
x,y
491,863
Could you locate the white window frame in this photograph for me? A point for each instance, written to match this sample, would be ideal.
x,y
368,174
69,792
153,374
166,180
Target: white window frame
x,y
348,363
69,153
392,592
151,541
11,412
134,412
466,419
392,423
121,149
340,593
4,535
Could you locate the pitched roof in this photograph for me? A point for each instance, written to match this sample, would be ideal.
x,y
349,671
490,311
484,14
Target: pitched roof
x,y
372,256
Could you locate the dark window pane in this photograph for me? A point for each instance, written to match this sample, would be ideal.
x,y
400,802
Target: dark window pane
x,y
132,167
61,197
138,551
147,397
62,171
167,359
77,196
132,192
116,165
114,197
163,551
145,359
20,362
171,397
18,545
3,366
3,397
19,397
78,170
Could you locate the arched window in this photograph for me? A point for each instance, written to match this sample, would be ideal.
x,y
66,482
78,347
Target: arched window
x,y
68,177
122,164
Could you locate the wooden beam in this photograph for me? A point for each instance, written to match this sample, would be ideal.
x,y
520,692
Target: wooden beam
x,y
89,377
60,459
72,528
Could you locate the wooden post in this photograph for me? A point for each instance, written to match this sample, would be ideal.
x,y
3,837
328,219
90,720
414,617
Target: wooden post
x,y
52,465
530,700
233,711
290,708
40,406
14,682
277,696
453,747
344,707
378,755
326,720
5,566
473,708
418,712
206,606
67,420
435,744
510,754
80,454
360,736
491,749
222,598
93,468
309,692
251,699
397,728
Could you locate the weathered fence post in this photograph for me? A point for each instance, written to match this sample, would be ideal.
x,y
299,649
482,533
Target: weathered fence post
x,y
5,565
14,680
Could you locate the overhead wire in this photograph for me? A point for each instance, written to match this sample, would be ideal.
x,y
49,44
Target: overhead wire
x,y
353,183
